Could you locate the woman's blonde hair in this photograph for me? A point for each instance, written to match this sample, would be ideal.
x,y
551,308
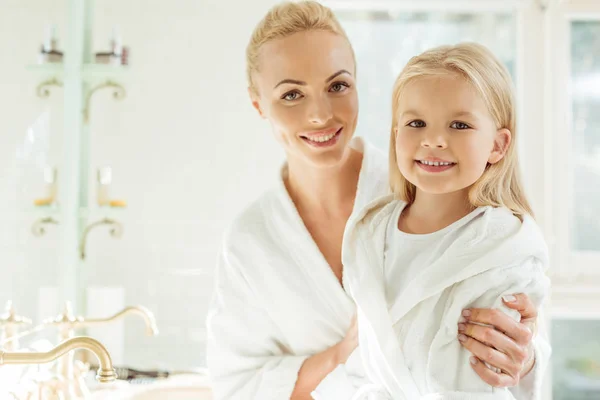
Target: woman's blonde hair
x,y
500,185
284,20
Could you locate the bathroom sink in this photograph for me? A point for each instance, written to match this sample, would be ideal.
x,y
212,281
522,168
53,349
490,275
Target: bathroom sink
x,y
185,387
173,393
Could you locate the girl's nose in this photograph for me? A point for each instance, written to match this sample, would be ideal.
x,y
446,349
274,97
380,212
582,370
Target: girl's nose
x,y
434,140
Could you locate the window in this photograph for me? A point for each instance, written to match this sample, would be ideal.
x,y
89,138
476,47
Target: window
x,y
552,49
585,138
384,41
575,359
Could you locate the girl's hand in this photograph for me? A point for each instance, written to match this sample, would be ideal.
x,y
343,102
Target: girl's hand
x,y
505,344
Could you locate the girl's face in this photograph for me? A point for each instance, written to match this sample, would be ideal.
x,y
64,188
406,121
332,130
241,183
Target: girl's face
x,y
445,136
306,89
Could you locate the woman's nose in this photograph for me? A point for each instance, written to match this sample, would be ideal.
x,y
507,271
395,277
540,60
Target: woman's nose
x,y
320,111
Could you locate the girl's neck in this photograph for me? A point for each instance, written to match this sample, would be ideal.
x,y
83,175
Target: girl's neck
x,y
329,191
431,212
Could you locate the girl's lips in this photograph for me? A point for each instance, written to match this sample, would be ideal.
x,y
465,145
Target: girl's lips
x,y
434,168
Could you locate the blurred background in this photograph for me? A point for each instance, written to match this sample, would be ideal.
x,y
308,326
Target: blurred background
x,y
128,143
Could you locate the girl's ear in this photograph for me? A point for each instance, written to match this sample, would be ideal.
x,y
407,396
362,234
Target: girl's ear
x,y
501,144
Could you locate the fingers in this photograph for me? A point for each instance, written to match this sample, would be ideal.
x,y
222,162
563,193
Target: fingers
x,y
352,334
496,340
523,304
516,331
492,378
491,356
348,344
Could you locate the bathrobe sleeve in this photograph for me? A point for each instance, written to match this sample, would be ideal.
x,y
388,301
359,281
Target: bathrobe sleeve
x,y
245,354
449,373
530,387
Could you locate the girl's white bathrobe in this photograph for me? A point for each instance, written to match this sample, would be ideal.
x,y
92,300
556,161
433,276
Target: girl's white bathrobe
x,y
408,347
277,302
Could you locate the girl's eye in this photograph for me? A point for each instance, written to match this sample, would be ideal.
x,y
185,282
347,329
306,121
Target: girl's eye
x,y
459,125
291,96
339,87
416,124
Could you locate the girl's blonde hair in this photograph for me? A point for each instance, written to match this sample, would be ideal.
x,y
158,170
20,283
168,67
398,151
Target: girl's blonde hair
x,y
500,185
284,20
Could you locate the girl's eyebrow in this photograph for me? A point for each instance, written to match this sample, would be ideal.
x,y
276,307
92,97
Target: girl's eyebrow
x,y
409,112
466,114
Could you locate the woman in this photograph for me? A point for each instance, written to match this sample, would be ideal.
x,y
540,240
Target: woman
x,y
280,320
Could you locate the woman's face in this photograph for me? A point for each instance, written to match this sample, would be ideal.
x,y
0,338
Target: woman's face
x,y
306,88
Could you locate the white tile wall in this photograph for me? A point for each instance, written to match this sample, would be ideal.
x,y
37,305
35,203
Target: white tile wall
x,y
186,148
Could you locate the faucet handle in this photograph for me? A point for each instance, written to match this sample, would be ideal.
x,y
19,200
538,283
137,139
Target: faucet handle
x,y
10,317
66,318
10,323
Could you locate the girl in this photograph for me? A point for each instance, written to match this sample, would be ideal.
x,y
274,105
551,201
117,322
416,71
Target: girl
x,y
457,233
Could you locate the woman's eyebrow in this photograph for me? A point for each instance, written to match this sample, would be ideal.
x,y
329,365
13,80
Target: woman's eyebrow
x,y
292,81
341,71
302,83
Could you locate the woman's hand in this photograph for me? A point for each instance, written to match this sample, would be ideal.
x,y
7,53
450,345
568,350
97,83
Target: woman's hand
x,y
505,344
348,343
316,368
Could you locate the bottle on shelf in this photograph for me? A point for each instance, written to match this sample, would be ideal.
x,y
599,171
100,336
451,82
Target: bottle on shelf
x,y
49,52
118,54
50,181
104,181
103,194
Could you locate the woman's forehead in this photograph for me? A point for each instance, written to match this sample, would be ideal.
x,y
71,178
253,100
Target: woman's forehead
x,y
307,56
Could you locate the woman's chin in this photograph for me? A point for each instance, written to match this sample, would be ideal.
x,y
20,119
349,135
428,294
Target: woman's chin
x,y
328,159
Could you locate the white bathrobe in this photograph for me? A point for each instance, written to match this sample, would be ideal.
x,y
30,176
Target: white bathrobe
x,y
408,347
276,301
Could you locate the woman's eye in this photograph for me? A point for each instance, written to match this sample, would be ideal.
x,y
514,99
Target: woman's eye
x,y
339,87
459,125
416,124
291,96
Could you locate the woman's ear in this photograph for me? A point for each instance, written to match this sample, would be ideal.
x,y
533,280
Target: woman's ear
x,y
256,102
501,144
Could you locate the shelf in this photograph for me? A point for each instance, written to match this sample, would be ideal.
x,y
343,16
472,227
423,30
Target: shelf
x,y
45,211
54,69
90,71
101,212
103,71
94,212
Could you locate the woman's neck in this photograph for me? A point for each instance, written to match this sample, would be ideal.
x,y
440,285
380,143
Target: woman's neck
x,y
431,212
329,191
